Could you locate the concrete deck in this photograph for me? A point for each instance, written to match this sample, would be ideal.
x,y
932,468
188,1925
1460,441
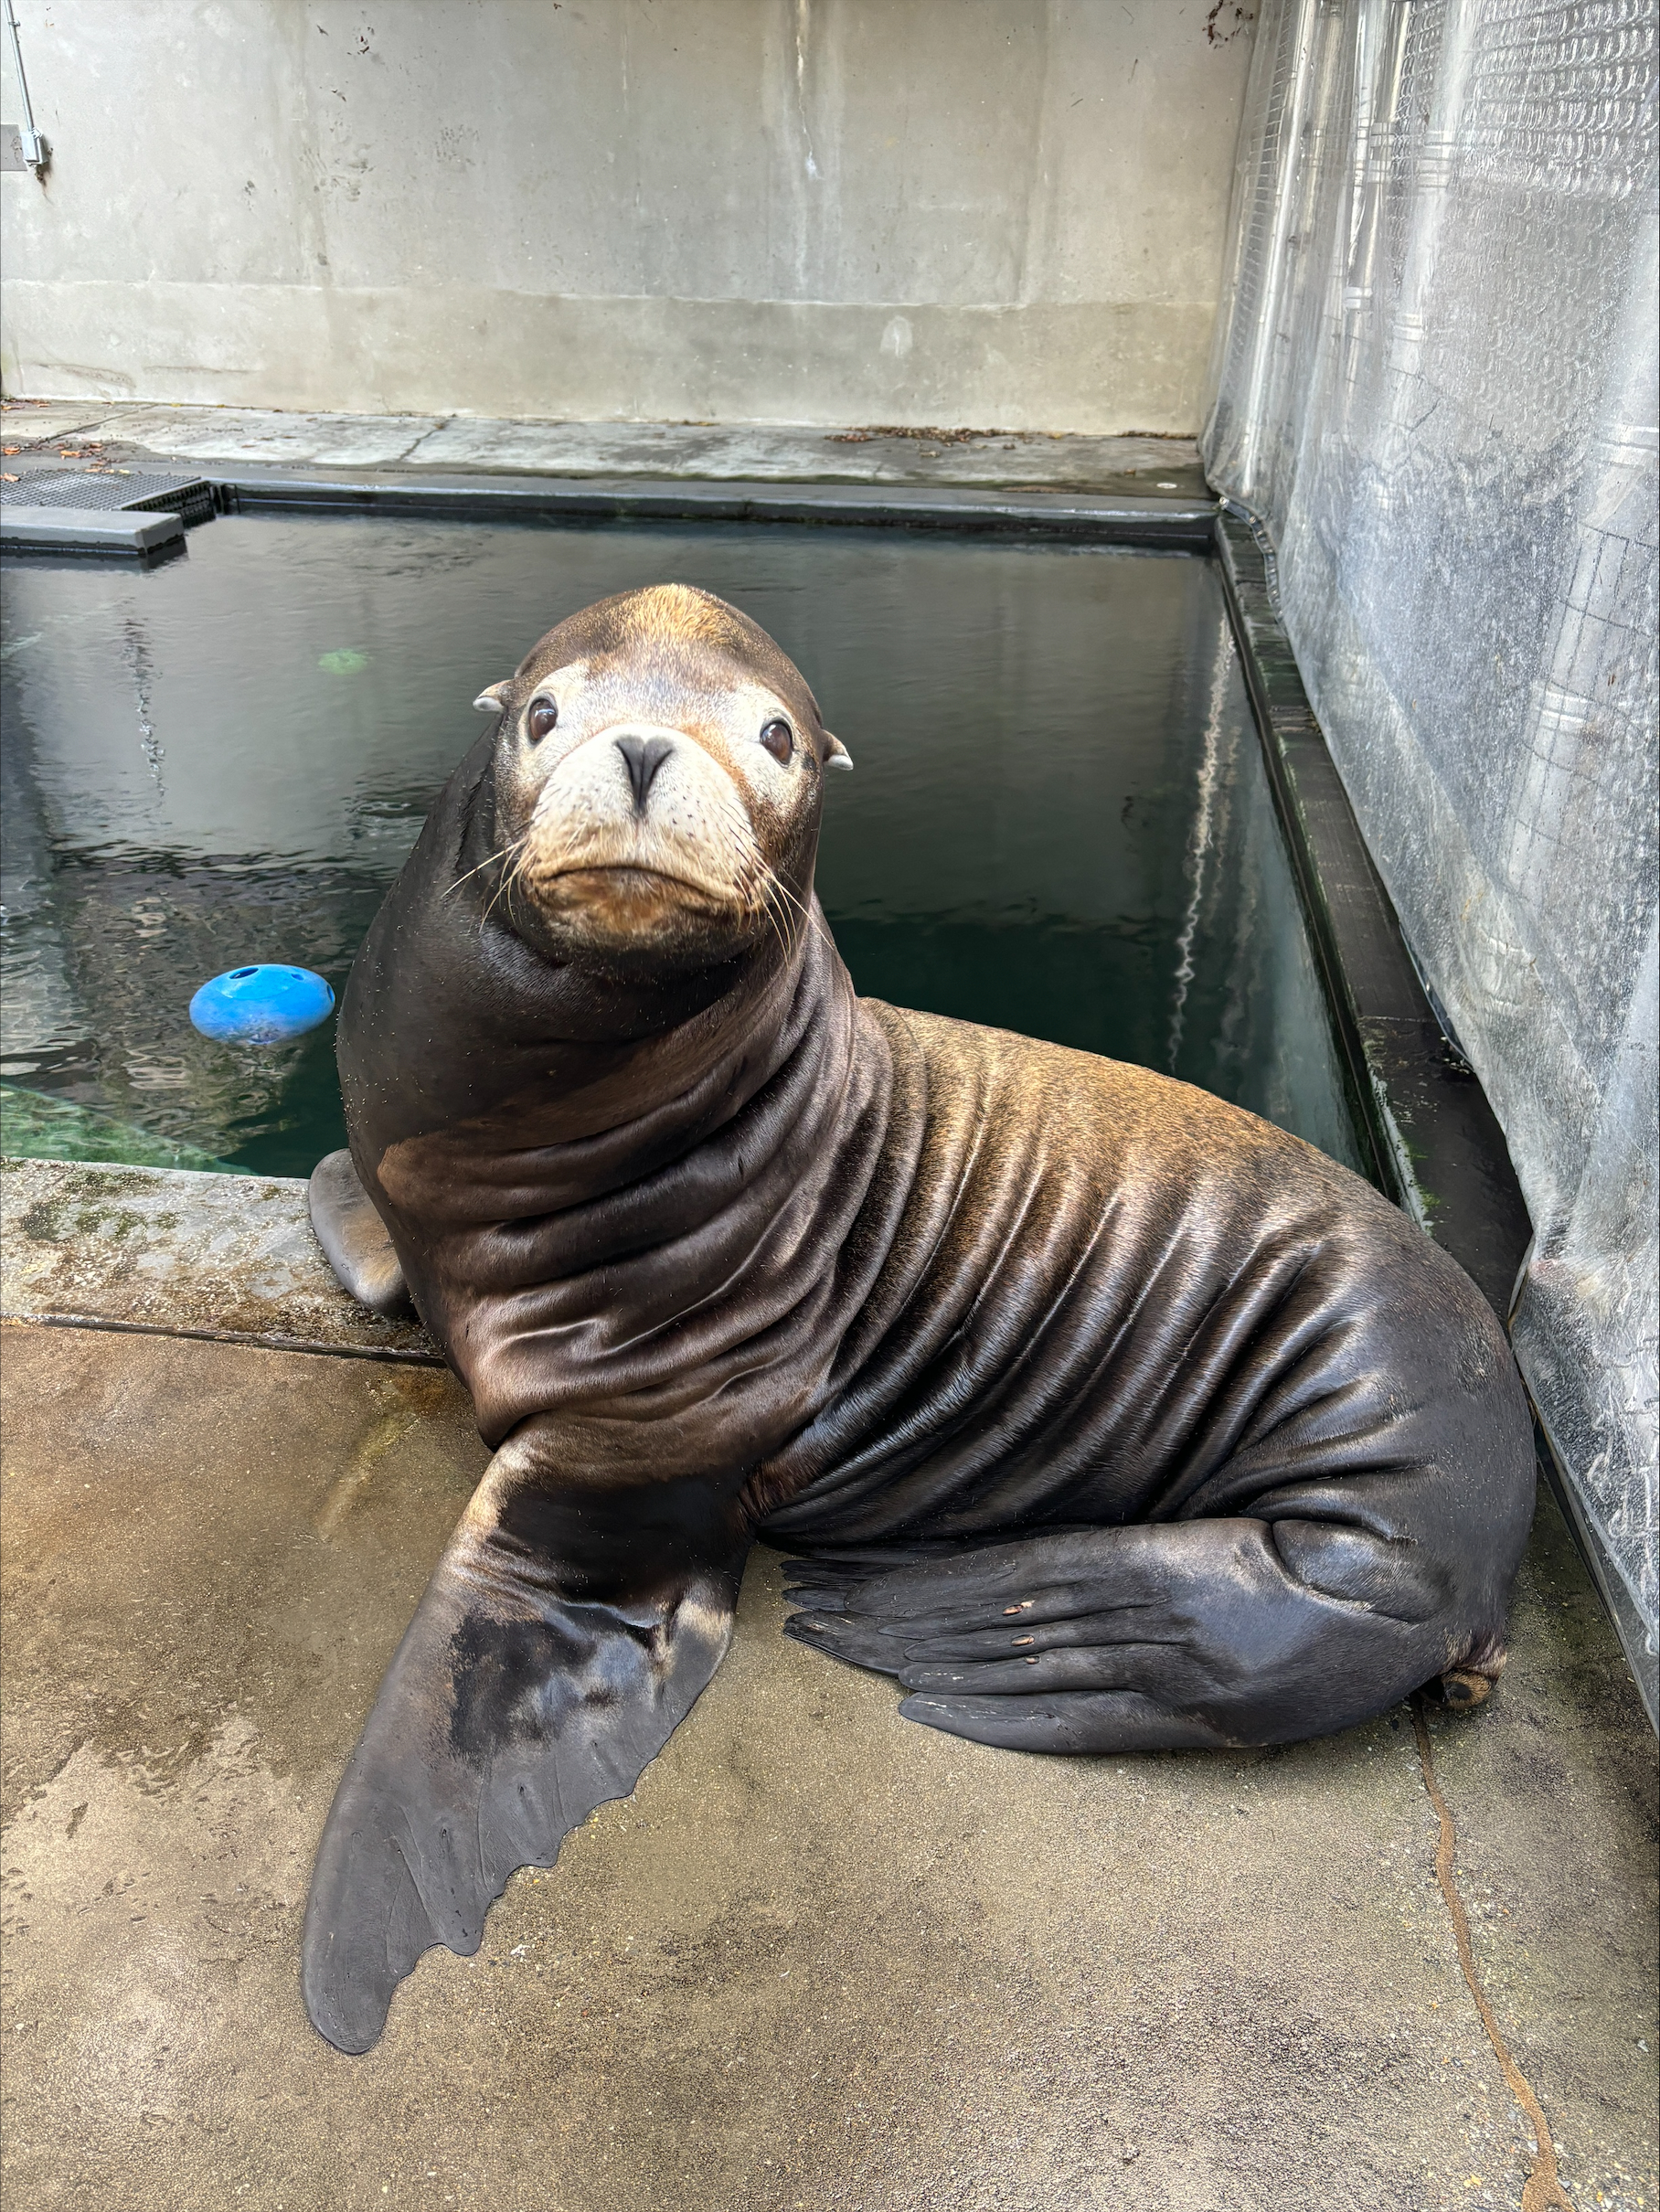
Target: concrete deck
x,y
41,429
822,1957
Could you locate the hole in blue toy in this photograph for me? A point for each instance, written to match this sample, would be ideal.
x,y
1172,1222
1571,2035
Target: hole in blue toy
x,y
236,973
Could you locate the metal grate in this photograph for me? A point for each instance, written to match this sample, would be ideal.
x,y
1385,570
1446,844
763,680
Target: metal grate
x,y
189,497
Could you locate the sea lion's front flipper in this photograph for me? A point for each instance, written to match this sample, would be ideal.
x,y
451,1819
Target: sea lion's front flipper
x,y
354,1238
538,1677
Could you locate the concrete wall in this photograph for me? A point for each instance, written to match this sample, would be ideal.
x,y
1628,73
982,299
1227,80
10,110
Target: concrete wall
x,y
985,212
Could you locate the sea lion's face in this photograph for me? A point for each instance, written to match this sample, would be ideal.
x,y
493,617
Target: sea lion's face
x,y
658,777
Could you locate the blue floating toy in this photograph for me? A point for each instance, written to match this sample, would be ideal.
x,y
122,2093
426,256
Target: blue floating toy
x,y
262,1005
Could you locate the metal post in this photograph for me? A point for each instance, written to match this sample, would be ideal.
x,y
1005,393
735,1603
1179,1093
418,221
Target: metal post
x,y
33,147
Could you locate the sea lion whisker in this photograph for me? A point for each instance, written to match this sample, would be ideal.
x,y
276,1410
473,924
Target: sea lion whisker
x,y
777,883
494,898
779,920
505,889
766,908
807,913
500,854
515,876
794,920
779,938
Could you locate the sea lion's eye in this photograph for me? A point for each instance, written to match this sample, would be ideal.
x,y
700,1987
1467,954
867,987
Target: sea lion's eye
x,y
541,718
778,742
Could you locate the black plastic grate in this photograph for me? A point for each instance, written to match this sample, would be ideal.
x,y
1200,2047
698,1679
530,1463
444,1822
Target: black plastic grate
x,y
189,497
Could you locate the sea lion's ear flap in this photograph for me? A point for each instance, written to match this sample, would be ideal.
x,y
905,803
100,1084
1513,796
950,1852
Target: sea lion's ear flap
x,y
835,753
490,699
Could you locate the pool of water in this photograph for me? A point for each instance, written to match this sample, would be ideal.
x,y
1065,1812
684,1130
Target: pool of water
x,y
1059,820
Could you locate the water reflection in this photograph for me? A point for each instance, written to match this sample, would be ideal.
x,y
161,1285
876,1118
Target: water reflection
x,y
1059,821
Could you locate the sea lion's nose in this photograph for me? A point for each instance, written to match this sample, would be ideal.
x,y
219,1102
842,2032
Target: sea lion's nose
x,y
642,757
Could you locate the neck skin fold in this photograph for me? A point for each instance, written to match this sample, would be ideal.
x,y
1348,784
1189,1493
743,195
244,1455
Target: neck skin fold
x,y
618,1204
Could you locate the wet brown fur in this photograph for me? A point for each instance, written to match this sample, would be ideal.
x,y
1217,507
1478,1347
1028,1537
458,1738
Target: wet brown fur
x,y
721,1250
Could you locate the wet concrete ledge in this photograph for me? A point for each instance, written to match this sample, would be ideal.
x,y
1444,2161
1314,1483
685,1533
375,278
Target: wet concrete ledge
x,y
57,529
1151,467
174,1253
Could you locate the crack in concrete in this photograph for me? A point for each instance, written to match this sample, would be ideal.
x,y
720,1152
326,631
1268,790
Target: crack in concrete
x,y
1542,2191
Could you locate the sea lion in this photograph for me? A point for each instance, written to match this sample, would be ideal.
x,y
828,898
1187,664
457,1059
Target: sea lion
x,y
1110,1416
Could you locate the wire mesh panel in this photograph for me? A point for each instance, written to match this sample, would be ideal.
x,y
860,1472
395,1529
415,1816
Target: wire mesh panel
x,y
1435,380
189,497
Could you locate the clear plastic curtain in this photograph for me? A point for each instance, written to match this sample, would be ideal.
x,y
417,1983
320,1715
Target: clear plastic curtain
x,y
1435,383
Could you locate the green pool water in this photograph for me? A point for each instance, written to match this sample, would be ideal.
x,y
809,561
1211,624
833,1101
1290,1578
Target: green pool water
x,y
1059,820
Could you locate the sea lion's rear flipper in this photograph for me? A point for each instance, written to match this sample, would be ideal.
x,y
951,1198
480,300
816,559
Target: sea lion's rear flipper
x,y
1203,1633
512,1708
354,1238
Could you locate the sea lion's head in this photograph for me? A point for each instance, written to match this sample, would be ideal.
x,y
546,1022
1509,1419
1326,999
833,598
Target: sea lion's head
x,y
659,768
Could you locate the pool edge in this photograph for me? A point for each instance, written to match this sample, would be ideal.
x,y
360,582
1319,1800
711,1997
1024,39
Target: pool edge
x,y
1437,1145
1121,518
